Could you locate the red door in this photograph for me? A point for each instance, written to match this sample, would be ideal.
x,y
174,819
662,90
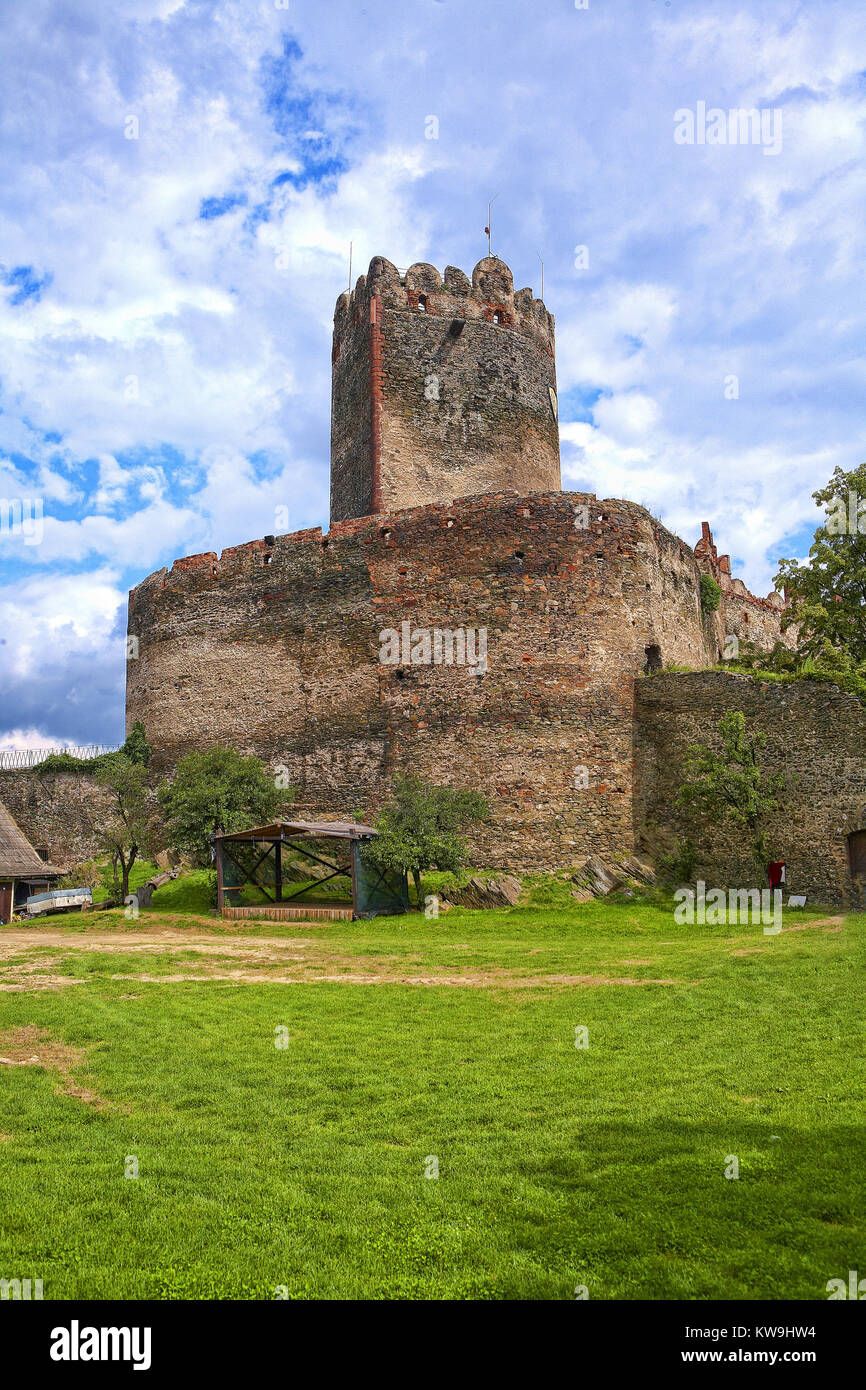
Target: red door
x,y
5,902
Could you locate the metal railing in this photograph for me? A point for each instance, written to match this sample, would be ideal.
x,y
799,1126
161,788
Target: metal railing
x,y
13,759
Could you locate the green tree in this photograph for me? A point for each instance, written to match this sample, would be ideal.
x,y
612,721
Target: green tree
x,y
218,790
420,829
827,597
124,829
731,785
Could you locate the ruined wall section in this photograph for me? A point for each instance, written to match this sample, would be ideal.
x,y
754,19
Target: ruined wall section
x,y
442,387
274,649
815,738
743,614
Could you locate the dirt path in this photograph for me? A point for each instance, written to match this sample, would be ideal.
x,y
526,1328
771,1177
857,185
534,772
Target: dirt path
x,y
261,960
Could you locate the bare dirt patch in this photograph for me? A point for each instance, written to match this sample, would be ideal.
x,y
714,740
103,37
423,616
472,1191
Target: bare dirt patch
x,y
267,960
31,1046
821,922
487,979
21,976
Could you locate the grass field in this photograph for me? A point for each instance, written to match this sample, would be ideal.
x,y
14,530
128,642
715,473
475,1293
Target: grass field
x,y
412,1044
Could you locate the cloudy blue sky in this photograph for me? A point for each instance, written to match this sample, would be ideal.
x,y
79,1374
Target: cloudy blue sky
x,y
166,300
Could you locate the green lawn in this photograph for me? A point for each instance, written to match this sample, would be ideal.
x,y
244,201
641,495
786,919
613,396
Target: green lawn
x,y
559,1166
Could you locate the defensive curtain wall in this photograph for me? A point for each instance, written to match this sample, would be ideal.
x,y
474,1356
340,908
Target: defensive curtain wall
x,y
319,655
815,739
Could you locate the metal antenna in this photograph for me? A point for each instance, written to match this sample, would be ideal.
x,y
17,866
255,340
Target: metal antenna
x,y
490,224
538,254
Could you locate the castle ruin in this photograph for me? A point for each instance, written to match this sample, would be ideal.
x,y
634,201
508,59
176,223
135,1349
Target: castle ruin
x,y
466,619
447,516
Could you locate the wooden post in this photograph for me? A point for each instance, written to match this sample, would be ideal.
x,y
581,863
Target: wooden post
x,y
219,868
355,849
278,855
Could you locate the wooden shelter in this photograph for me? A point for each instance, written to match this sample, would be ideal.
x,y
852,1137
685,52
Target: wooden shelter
x,y
273,859
22,872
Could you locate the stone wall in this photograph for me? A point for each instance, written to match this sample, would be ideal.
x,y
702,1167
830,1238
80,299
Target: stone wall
x,y
441,388
274,649
59,813
816,739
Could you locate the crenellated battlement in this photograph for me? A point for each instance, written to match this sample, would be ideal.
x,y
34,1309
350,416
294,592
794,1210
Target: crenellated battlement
x,y
489,293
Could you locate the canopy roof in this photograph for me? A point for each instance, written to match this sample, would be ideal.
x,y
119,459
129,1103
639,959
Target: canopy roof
x,y
18,858
299,829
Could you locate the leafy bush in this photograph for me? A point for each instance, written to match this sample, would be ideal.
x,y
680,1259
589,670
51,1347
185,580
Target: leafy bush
x,y
830,664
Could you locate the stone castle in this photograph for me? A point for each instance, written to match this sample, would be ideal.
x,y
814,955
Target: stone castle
x,y
446,513
448,521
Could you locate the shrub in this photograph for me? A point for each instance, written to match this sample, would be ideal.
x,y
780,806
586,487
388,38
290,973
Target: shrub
x,y
711,594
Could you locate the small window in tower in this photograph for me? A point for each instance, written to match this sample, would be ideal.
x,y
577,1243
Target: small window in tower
x,y
422,304
497,316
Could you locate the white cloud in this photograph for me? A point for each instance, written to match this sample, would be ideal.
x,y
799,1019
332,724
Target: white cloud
x,y
171,385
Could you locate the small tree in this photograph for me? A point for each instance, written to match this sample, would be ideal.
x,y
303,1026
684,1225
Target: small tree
x,y
124,830
219,790
731,785
421,827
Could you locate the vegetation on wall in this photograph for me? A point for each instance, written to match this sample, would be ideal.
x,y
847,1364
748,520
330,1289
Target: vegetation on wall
x,y
136,749
731,786
711,594
830,664
679,864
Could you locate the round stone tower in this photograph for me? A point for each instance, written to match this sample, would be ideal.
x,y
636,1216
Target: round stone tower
x,y
441,388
